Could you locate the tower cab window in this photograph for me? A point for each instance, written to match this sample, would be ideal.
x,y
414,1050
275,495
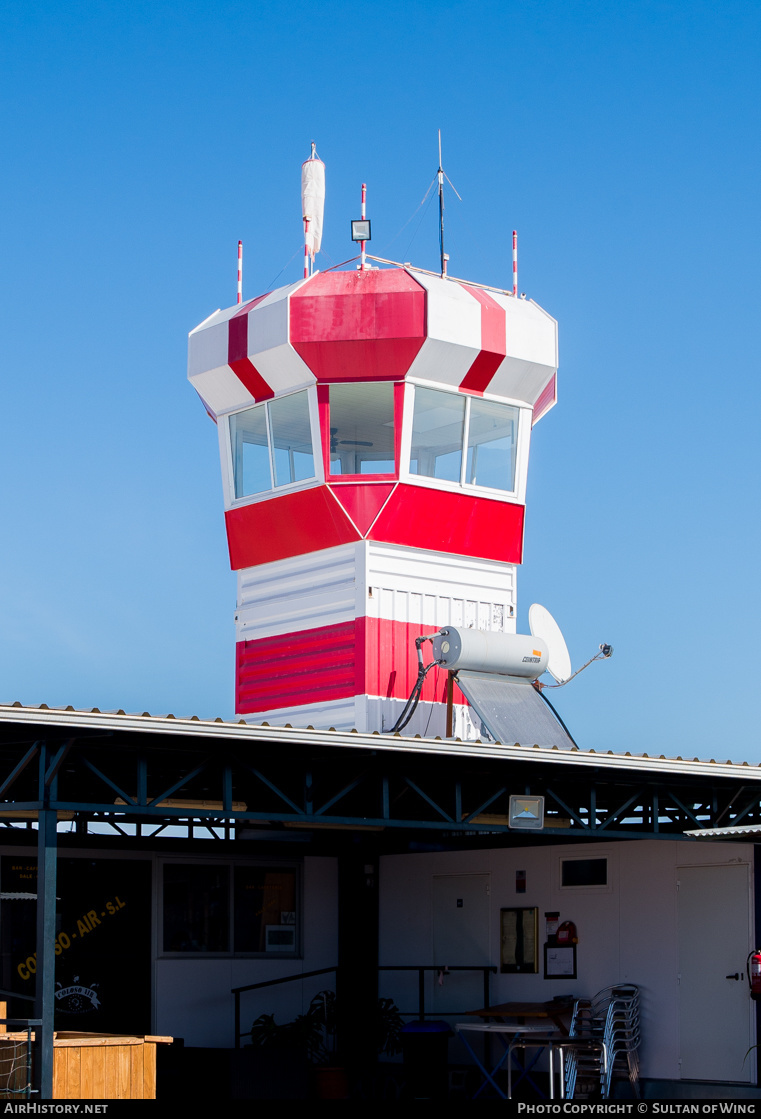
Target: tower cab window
x,y
272,445
362,428
463,439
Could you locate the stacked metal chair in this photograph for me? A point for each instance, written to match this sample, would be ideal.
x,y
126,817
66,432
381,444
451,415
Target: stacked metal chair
x,y
603,1040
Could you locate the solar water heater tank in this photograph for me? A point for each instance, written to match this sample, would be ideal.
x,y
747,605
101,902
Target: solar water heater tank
x,y
509,654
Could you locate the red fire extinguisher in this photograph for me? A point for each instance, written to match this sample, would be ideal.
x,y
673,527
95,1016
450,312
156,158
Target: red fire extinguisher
x,y
567,934
754,974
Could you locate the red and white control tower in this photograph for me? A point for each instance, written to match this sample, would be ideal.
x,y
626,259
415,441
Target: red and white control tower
x,y
374,430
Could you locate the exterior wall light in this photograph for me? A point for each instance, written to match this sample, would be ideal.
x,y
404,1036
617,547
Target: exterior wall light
x,y
527,813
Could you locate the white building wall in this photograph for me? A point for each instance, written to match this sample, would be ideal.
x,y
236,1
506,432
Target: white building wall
x,y
192,996
627,931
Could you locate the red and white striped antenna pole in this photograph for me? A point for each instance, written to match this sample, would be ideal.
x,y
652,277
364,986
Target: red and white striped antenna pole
x,y
240,272
306,248
363,244
515,263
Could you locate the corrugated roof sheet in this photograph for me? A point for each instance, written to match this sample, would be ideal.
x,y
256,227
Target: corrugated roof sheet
x,y
144,723
725,833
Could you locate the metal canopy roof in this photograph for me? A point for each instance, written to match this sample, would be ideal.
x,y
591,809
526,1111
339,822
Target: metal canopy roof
x,y
148,773
66,720
739,832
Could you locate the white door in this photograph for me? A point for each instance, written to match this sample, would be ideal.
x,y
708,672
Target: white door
x,y
461,925
715,1010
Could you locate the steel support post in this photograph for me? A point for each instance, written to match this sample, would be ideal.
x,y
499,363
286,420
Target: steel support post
x,y
46,904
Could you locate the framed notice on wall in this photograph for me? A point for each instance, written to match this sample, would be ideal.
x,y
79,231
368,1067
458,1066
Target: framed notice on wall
x,y
519,939
559,961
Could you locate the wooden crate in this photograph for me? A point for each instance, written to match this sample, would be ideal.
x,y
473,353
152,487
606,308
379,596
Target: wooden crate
x,y
101,1066
105,1067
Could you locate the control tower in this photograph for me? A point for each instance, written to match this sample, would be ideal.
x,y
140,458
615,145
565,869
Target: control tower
x,y
374,431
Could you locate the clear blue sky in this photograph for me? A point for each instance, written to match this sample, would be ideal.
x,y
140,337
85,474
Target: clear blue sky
x,y
141,140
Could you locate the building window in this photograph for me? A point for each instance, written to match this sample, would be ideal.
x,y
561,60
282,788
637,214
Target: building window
x,y
575,873
196,904
272,445
265,909
230,909
362,428
463,439
438,427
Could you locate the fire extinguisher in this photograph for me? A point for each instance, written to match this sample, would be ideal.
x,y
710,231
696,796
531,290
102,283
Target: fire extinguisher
x,y
567,934
753,968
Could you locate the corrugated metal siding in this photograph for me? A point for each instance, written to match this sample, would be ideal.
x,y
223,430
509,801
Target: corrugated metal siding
x,y
391,664
280,671
325,626
339,715
372,657
362,712
376,580
435,589
318,589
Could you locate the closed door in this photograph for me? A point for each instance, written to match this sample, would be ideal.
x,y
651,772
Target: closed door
x,y
715,1010
461,926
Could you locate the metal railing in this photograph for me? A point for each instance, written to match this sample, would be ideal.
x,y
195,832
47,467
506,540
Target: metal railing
x,y
421,969
238,991
486,969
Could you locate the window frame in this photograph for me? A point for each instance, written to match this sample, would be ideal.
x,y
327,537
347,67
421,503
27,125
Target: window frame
x,y
227,452
323,397
601,888
231,865
517,494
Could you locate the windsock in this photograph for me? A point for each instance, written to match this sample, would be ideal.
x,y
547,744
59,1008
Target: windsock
x,y
313,201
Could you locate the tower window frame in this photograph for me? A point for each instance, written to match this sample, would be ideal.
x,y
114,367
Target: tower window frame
x,y
277,469
453,462
328,395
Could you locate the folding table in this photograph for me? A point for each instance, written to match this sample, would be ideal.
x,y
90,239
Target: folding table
x,y
512,1036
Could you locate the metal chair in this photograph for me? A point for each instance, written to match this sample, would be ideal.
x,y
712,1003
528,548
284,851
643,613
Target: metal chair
x,y
604,1036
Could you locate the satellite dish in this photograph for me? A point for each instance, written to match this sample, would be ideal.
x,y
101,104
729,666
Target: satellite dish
x,y
543,625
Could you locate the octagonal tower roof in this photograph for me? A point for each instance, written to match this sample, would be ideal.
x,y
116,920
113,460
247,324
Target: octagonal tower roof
x,y
380,324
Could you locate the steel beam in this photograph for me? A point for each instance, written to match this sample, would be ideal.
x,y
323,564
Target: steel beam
x,y
29,756
416,788
340,795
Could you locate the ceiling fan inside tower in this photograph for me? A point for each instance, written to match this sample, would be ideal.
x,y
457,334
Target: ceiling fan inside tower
x,y
336,443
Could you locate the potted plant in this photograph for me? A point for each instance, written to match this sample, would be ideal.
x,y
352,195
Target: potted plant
x,y
313,1034
388,1028
311,1037
329,1077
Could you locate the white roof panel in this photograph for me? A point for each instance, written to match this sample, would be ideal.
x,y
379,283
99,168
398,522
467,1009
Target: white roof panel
x,y
68,718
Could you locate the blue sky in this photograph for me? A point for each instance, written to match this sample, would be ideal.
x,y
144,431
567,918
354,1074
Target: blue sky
x,y
141,140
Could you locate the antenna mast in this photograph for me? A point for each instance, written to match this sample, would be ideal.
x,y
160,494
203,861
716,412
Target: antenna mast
x,y
515,264
363,244
240,272
440,173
